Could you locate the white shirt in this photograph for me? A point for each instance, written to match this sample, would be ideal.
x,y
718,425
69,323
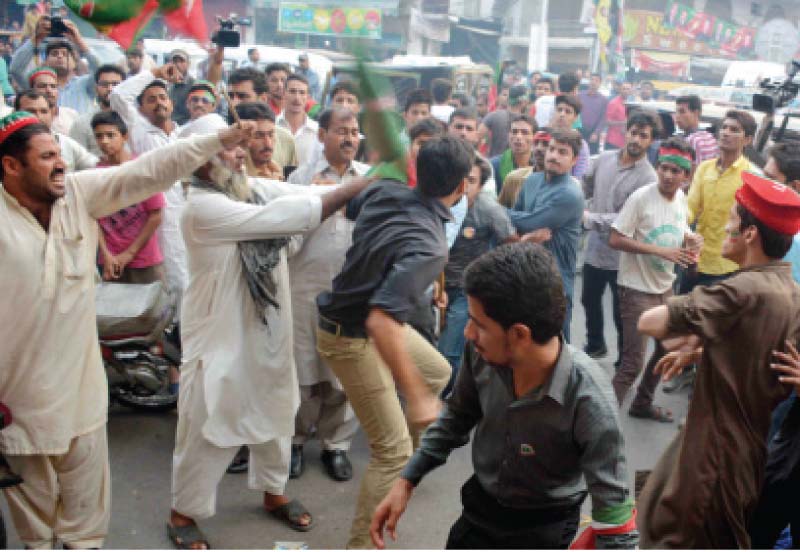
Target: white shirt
x,y
248,368
545,107
306,139
75,156
649,217
63,122
51,371
442,112
143,136
82,132
312,270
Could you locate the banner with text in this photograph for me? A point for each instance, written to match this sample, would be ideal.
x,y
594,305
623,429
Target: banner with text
x,y
729,38
346,22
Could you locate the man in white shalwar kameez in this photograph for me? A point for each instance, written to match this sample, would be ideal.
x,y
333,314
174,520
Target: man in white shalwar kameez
x,y
238,378
51,372
323,402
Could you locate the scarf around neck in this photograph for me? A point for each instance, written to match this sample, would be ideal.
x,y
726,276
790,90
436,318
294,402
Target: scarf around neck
x,y
259,258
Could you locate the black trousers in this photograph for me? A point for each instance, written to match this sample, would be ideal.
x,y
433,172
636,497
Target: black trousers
x,y
487,524
595,281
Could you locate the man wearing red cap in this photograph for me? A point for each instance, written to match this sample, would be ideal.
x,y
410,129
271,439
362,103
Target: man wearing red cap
x,y
51,373
706,485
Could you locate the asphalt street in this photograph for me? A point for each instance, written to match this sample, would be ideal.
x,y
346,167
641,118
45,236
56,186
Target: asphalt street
x,y
141,448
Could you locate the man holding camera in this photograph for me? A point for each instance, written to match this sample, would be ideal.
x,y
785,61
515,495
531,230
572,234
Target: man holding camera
x,y
64,48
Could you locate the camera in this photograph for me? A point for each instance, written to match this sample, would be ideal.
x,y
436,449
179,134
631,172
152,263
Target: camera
x,y
775,93
227,36
57,27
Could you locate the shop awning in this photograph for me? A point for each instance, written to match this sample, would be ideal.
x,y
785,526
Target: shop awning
x,y
675,65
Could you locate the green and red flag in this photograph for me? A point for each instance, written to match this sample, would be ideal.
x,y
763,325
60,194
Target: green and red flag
x,y
124,20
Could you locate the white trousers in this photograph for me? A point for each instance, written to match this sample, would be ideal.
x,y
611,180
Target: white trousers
x,y
65,497
325,408
198,465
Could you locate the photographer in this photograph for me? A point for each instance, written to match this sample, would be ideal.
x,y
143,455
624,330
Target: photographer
x,y
62,53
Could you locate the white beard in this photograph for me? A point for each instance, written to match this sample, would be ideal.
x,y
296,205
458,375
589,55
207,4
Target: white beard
x,y
234,184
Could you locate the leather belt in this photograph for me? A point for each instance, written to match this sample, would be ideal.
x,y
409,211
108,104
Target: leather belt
x,y
341,331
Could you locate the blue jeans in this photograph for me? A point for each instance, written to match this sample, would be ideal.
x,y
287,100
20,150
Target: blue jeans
x,y
451,340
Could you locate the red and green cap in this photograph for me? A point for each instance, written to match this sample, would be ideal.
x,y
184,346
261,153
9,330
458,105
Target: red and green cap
x,y
14,122
33,75
680,158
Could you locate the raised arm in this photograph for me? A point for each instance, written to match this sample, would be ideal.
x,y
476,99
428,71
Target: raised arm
x,y
20,61
123,97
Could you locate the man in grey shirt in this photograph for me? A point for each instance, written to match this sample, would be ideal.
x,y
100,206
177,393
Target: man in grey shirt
x,y
544,416
611,179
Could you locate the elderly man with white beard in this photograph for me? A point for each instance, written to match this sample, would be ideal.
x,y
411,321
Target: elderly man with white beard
x,y
238,378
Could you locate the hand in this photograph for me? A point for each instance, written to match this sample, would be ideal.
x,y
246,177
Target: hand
x,y
42,31
124,259
359,182
167,72
216,55
683,343
74,34
678,255
440,300
694,242
111,268
389,511
422,411
789,366
238,134
538,236
673,364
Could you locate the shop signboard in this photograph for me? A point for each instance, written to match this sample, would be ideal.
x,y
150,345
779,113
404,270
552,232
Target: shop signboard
x,y
338,21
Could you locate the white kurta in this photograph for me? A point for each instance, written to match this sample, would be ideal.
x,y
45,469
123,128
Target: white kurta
x,y
143,136
248,368
75,156
51,372
312,271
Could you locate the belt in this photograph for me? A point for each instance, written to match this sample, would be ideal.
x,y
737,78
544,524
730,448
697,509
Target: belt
x,y
341,331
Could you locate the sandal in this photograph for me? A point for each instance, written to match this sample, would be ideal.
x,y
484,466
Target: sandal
x,y
184,538
652,413
292,513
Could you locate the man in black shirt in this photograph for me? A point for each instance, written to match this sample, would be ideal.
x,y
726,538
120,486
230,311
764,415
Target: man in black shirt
x,y
399,248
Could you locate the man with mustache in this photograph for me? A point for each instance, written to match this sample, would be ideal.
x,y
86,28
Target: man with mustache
x,y
57,441
45,80
105,79
323,403
75,156
294,119
520,148
612,178
549,208
261,159
238,381
144,104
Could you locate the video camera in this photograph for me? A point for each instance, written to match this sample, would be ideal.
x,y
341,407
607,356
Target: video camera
x,y
777,94
227,36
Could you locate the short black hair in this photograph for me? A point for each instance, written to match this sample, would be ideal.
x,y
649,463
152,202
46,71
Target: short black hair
x,y
647,82
346,86
519,283
463,113
547,80
109,118
680,144
598,75
486,169
255,111
462,98
746,120
30,94
441,89
428,125
644,118
525,119
157,83
251,50
568,82
418,96
442,164
692,101
570,137
571,101
775,244
327,116
244,74
297,77
16,145
787,157
108,68
59,44
277,66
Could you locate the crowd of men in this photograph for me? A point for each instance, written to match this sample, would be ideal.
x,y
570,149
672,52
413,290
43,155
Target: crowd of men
x,y
327,253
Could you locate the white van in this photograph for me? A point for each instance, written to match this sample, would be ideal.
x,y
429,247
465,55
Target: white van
x,y
749,74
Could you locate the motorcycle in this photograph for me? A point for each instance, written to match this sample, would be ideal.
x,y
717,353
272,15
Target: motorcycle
x,y
135,328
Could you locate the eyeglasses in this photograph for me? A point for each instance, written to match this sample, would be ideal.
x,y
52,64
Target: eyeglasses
x,y
106,84
199,99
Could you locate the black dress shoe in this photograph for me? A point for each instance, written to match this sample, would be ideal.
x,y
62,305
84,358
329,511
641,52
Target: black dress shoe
x,y
337,464
297,465
241,461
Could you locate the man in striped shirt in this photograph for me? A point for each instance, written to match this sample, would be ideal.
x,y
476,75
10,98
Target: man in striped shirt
x,y
687,117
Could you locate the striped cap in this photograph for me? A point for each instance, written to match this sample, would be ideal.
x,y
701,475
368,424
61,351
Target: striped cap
x,y
41,71
15,121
